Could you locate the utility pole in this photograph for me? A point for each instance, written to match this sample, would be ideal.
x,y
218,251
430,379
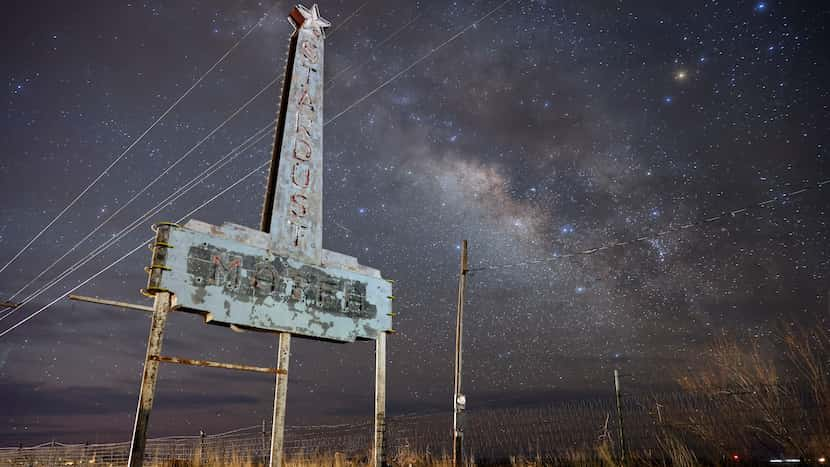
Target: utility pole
x,y
379,449
623,450
459,401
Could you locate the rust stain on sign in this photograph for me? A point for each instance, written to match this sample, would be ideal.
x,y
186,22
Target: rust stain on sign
x,y
225,273
279,279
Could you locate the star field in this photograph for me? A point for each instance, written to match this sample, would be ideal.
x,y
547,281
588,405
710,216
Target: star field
x,y
548,128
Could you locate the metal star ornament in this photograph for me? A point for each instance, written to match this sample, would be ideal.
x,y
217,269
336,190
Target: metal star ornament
x,y
300,15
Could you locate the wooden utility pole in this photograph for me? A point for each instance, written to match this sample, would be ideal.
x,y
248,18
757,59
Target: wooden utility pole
x,y
618,398
459,400
379,451
147,393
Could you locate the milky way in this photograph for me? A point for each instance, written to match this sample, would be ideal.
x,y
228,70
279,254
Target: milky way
x,y
549,128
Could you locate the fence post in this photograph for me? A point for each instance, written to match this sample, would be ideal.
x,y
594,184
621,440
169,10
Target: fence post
x,y
263,452
623,449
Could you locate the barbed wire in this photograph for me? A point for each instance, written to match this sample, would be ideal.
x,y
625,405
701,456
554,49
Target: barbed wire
x,y
493,432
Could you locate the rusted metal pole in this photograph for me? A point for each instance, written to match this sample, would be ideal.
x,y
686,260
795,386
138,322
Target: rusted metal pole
x,y
148,380
618,399
459,401
210,364
280,394
104,301
379,451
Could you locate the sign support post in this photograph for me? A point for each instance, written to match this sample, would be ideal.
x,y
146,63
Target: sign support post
x,y
379,451
147,392
280,396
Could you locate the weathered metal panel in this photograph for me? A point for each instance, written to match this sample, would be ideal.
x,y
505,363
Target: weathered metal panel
x,y
282,279
240,283
297,211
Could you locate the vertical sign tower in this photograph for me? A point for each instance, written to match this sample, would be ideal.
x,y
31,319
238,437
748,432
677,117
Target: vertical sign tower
x,y
277,278
293,211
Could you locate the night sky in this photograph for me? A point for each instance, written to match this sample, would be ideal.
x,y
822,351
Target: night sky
x,y
547,128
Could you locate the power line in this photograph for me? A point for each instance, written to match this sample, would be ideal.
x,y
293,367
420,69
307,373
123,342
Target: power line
x,y
380,44
126,255
135,142
366,96
416,62
153,182
210,170
345,21
725,215
126,231
186,154
153,211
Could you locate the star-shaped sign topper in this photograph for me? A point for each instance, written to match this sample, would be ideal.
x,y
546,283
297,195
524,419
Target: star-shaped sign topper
x,y
300,15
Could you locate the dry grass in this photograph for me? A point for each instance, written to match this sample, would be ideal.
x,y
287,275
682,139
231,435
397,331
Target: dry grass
x,y
746,405
766,408
602,456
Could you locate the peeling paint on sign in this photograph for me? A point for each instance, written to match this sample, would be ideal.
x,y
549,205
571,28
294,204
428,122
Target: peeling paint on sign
x,y
243,284
279,279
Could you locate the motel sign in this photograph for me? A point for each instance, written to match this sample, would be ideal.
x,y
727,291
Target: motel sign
x,y
278,278
231,275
